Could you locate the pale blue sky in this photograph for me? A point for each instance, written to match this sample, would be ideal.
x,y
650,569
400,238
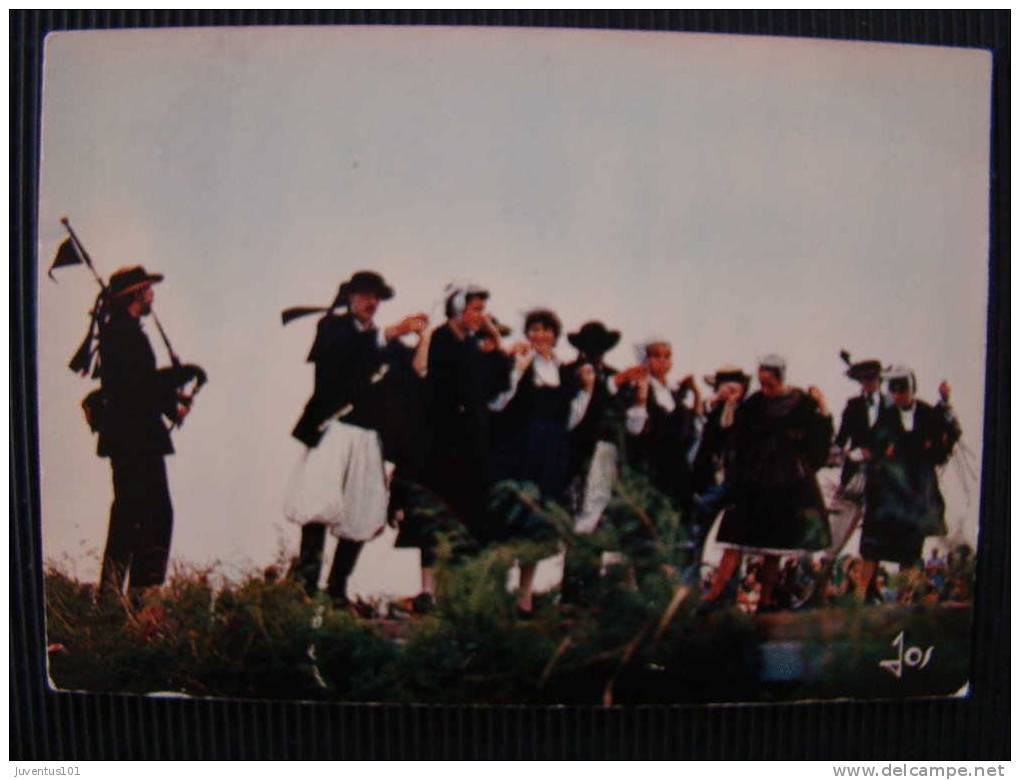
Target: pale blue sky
x,y
739,195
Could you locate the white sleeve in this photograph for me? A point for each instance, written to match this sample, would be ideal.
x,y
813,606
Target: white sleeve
x,y
598,488
699,428
578,406
499,403
637,416
380,338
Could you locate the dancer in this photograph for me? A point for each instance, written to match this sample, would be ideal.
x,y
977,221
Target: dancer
x,y
594,390
530,438
342,482
449,496
904,504
857,424
662,430
714,450
781,437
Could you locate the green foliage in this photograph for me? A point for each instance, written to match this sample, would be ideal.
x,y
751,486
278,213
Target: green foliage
x,y
637,638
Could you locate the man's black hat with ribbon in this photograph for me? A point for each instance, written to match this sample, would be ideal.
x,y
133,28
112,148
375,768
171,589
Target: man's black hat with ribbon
x,y
360,282
594,338
861,370
130,279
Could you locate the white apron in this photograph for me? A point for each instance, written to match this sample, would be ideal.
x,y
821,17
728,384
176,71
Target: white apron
x,y
598,488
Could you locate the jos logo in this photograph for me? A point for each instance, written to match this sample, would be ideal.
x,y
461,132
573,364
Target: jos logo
x,y
912,656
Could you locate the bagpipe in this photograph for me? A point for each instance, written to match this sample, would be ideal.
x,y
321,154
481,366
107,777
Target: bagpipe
x,y
185,379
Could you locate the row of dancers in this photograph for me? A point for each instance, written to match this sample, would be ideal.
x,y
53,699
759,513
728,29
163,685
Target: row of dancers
x,y
422,436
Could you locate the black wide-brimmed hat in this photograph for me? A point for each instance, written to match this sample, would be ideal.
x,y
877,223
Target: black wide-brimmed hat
x,y
727,373
130,278
594,339
865,370
364,282
861,370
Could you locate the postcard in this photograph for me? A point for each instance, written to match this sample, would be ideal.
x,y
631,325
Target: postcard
x,y
510,366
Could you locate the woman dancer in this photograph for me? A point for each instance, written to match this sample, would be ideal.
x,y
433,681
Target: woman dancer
x,y
661,427
530,436
781,437
454,470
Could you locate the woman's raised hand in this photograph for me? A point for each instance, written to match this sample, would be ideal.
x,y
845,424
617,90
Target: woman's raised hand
x,y
522,354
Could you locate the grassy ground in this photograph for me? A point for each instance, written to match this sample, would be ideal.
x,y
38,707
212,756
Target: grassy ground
x,y
641,639
267,639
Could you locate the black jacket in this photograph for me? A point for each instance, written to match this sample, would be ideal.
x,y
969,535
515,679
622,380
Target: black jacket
x,y
597,423
778,445
662,447
350,369
459,384
856,430
902,483
137,397
714,450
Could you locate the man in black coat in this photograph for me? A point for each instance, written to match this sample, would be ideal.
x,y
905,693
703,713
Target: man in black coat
x,y
351,357
591,413
134,436
594,387
860,416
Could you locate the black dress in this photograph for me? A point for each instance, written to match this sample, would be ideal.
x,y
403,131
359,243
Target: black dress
x,y
778,445
714,451
448,493
530,450
662,447
903,503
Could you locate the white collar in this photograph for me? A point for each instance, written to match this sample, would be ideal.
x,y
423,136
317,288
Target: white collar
x,y
907,417
546,371
663,396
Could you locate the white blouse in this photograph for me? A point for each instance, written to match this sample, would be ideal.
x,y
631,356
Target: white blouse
x,y
637,416
546,374
907,418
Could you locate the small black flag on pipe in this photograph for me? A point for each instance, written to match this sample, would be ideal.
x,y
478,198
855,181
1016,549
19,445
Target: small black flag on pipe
x,y
66,255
